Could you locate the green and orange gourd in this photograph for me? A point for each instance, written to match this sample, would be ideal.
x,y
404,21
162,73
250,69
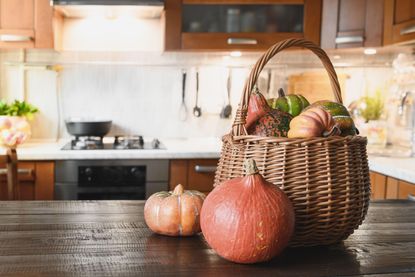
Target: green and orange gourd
x,y
292,103
314,122
340,115
262,120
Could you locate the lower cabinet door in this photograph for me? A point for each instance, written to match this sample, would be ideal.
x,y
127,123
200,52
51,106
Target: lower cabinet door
x,y
386,187
193,174
36,181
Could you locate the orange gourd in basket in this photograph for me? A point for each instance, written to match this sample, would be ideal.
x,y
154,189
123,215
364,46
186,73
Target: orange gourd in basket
x,y
315,122
247,219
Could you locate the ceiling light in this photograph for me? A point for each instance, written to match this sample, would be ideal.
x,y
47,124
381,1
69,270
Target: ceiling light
x,y
235,54
370,51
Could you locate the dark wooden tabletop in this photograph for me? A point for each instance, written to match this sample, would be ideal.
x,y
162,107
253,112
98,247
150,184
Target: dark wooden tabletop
x,y
110,238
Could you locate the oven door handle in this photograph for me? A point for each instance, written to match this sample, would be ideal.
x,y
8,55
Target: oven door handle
x,y
205,169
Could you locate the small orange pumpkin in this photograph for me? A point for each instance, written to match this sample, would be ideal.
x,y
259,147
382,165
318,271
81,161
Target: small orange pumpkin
x,y
174,213
314,122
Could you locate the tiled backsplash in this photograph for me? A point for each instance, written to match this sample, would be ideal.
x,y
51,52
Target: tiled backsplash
x,y
141,92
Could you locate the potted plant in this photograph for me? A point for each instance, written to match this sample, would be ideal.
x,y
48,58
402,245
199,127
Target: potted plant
x,y
371,112
14,125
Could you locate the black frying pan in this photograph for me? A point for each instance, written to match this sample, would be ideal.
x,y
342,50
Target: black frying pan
x,y
88,127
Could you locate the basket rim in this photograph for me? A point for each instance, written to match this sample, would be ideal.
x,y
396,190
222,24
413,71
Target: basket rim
x,y
292,141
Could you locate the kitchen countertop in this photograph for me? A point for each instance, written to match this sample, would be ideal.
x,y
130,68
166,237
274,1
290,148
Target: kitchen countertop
x,y
110,238
399,168
175,149
190,148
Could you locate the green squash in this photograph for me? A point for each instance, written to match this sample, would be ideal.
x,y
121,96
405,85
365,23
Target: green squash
x,y
340,115
292,103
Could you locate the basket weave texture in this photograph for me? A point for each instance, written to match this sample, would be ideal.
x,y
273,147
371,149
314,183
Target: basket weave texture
x,y
327,179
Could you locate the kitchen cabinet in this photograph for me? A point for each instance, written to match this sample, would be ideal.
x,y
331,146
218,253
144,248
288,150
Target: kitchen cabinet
x,y
239,24
386,187
36,181
352,23
26,24
193,174
399,21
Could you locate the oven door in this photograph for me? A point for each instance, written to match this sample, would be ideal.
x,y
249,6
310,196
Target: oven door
x,y
110,179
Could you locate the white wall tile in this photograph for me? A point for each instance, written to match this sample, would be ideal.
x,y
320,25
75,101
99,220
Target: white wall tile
x,y
141,92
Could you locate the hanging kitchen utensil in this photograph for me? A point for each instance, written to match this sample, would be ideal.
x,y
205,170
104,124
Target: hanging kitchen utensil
x,y
183,107
197,111
227,110
269,83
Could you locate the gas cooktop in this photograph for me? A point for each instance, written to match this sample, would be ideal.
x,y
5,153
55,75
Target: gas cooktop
x,y
119,143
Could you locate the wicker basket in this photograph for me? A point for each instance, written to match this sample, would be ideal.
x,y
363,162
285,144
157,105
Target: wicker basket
x,y
327,179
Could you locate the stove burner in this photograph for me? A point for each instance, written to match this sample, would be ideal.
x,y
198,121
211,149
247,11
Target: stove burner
x,y
120,143
87,143
128,142
155,143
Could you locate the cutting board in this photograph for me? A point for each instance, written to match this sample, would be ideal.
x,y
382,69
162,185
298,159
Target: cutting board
x,y
314,85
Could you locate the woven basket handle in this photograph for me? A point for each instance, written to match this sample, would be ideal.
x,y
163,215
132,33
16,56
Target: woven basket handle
x,y
238,127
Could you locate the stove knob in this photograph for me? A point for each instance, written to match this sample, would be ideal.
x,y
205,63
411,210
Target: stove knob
x,y
88,171
136,172
88,174
155,143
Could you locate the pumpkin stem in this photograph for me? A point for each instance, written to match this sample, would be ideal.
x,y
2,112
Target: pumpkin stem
x,y
178,190
281,92
255,89
335,131
250,167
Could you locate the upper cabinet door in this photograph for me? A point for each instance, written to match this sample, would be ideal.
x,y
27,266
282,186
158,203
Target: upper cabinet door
x,y
351,23
26,24
399,24
239,25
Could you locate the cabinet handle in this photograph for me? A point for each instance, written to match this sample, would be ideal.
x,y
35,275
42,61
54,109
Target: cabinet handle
x,y
349,39
407,30
242,41
205,169
14,38
24,171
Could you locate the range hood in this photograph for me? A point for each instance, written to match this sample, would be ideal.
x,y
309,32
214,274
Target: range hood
x,y
109,8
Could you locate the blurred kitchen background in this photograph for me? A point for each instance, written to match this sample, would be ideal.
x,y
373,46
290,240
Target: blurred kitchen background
x,y
113,64
127,64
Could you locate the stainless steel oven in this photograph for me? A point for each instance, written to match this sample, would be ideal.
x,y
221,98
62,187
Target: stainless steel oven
x,y
110,179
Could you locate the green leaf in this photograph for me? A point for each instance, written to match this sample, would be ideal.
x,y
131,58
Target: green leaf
x,y
372,107
18,108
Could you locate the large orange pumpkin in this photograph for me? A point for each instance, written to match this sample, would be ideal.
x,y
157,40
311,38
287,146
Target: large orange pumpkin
x,y
247,219
174,213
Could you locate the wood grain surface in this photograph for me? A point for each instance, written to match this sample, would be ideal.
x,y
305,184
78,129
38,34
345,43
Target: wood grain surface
x,y
110,238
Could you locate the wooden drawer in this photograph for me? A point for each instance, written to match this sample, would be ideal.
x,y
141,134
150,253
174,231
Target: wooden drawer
x,y
36,181
386,187
26,172
201,174
193,174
